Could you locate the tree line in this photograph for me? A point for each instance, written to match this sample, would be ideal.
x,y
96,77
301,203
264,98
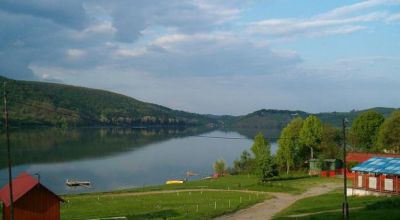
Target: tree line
x,y
303,139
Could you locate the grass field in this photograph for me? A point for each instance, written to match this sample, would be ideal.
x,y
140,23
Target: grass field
x,y
293,184
328,207
182,205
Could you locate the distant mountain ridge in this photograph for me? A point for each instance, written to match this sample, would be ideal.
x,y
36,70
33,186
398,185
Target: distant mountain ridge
x,y
52,104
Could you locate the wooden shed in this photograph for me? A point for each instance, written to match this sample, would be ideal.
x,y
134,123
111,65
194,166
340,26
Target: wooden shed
x,y
326,167
32,200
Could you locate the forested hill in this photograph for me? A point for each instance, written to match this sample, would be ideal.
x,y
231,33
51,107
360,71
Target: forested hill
x,y
271,121
39,103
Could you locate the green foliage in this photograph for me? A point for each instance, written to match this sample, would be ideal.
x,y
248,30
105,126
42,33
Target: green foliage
x,y
365,129
330,142
264,164
270,121
39,103
289,145
389,134
245,164
219,167
311,134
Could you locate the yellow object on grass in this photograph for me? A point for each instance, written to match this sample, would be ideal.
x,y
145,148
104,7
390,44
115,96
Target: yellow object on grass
x,y
174,182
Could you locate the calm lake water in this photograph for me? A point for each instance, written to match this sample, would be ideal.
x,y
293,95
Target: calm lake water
x,y
118,158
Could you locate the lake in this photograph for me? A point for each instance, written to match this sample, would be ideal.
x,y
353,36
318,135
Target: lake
x,y
117,158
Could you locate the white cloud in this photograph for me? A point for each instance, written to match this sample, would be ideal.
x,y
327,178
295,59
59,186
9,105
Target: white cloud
x,y
312,27
393,18
168,41
74,53
130,52
194,55
349,9
342,20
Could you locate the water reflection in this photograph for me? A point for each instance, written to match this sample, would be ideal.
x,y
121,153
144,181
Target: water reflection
x,y
46,145
119,158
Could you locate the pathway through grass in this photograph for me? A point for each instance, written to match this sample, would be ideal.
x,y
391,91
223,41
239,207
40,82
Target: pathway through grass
x,y
328,206
170,205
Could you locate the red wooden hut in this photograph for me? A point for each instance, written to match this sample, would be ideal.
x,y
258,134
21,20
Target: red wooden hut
x,y
32,200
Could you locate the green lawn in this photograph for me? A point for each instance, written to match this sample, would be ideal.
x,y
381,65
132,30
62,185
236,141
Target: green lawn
x,y
294,185
182,205
328,206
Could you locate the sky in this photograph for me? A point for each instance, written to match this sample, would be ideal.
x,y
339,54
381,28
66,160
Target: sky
x,y
211,56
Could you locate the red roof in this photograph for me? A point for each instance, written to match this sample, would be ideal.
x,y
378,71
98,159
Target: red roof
x,y
22,184
361,157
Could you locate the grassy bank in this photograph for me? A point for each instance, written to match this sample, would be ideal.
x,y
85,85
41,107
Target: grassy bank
x,y
172,205
291,184
328,207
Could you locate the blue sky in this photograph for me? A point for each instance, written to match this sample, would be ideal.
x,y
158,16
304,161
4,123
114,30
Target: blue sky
x,y
211,56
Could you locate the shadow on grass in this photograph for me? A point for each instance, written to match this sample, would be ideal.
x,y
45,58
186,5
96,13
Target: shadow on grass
x,y
282,178
385,204
163,214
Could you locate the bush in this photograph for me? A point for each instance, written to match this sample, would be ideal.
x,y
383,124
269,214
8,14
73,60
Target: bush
x,y
219,167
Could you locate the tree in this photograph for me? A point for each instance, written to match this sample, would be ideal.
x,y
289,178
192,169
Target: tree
x,y
330,142
365,129
219,167
289,145
389,134
244,164
311,133
264,166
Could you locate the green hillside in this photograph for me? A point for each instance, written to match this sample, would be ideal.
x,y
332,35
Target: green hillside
x,y
270,122
51,104
39,103
335,118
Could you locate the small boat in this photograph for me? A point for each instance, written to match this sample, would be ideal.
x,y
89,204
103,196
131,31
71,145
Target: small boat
x,y
77,183
174,182
191,173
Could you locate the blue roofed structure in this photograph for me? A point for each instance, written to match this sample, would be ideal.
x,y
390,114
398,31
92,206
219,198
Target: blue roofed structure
x,y
379,165
377,175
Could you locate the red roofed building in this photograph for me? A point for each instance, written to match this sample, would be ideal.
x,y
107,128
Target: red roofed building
x,y
32,200
361,157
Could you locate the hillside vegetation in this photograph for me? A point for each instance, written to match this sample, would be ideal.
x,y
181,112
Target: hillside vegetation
x,y
52,104
40,103
270,122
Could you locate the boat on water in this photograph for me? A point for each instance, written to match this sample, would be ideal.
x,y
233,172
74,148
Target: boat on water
x,y
168,182
77,183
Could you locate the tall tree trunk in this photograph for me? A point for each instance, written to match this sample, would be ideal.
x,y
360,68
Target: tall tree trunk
x,y
312,152
287,167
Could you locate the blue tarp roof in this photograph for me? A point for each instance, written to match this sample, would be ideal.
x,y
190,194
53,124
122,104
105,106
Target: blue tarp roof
x,y
384,165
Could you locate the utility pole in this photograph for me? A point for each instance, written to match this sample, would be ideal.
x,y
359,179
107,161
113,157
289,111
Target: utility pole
x,y
345,206
8,154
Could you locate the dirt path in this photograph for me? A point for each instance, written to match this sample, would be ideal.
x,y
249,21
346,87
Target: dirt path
x,y
269,208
